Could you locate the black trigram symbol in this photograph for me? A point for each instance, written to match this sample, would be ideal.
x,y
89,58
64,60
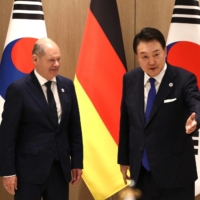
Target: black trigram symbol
x,y
186,8
31,11
196,142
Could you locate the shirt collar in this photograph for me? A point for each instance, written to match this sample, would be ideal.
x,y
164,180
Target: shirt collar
x,y
41,79
158,78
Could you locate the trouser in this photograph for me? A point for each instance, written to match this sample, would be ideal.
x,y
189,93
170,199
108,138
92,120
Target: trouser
x,y
54,188
151,190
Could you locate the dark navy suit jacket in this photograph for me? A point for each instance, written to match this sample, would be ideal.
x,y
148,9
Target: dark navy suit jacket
x,y
170,150
28,137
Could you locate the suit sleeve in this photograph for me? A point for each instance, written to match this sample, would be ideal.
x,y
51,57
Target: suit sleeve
x,y
123,148
75,133
192,97
8,130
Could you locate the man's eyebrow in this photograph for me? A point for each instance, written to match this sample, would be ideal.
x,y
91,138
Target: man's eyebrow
x,y
156,50
143,52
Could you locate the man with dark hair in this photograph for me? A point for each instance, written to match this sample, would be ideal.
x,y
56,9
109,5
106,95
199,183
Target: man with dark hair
x,y
160,111
41,147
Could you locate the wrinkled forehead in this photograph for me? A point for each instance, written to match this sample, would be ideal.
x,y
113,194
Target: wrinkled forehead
x,y
52,53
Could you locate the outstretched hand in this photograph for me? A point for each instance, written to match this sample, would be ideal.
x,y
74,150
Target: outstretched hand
x,y
191,123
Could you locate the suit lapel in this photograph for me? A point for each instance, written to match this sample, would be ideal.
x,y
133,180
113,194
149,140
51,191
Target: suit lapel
x,y
37,94
165,88
62,91
140,90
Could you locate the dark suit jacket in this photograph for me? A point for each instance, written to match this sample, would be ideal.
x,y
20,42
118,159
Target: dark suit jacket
x,y
170,150
28,137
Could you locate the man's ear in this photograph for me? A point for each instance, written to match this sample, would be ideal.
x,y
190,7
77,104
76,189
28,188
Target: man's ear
x,y
165,49
34,58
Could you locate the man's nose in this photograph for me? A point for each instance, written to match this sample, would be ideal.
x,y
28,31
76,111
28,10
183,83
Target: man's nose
x,y
151,61
57,63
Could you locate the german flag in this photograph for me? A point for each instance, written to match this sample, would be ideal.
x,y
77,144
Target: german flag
x,y
98,83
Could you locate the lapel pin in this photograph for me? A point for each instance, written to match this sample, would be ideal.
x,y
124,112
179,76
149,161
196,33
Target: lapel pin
x,y
62,90
170,84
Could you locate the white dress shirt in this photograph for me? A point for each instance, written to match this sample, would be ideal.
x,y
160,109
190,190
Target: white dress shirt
x,y
54,89
147,85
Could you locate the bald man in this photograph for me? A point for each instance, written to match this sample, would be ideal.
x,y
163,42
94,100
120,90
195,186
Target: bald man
x,y
41,147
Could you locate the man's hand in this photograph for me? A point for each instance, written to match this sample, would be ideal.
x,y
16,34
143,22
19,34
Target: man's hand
x,y
76,176
191,124
124,169
10,184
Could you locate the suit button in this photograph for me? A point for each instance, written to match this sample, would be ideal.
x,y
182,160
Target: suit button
x,y
53,148
145,132
141,149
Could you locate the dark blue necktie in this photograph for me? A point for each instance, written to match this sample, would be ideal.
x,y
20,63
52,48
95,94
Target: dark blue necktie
x,y
150,100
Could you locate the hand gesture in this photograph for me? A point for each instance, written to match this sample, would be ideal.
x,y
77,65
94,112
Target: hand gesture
x,y
191,124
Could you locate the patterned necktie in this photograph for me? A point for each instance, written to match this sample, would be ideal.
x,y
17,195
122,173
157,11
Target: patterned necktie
x,y
52,103
150,100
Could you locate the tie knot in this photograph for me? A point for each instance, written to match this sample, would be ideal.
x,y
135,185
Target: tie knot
x,y
152,82
48,84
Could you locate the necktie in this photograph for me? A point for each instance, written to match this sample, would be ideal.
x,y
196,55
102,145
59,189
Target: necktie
x,y
151,97
150,100
52,103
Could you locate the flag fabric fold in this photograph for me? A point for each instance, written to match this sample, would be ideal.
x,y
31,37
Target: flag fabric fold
x,y
98,83
183,50
25,27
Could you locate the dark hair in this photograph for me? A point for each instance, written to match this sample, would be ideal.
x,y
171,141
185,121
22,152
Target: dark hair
x,y
146,35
